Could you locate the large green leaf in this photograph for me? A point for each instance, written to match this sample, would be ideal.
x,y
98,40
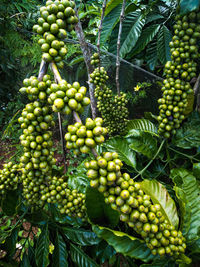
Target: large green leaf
x,y
187,136
128,23
109,23
80,258
143,143
25,261
164,38
111,4
160,195
124,243
78,180
187,182
143,125
10,202
188,5
146,36
132,36
10,243
121,146
60,254
42,247
80,236
98,211
151,54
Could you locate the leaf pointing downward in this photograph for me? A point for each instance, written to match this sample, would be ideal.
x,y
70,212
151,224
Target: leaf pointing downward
x,y
159,195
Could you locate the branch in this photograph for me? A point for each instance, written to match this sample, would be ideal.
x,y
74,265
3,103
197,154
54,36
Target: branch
x,y
43,70
118,46
87,56
196,86
57,79
100,30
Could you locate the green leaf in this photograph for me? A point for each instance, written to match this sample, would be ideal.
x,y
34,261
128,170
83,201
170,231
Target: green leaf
x,y
187,136
98,211
111,4
160,195
143,125
151,54
188,5
80,236
78,180
10,244
25,261
146,37
60,254
187,182
196,170
80,258
153,16
143,143
132,36
164,38
160,262
42,248
10,202
121,146
109,23
124,243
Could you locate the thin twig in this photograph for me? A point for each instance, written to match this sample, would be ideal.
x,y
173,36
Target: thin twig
x,y
62,141
100,30
118,46
144,169
87,57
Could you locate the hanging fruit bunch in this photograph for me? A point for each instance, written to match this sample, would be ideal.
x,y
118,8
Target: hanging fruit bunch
x,y
179,72
66,98
36,121
83,138
10,177
112,108
70,202
55,18
135,207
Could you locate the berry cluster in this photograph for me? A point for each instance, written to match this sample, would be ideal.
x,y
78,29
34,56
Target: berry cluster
x,y
112,108
36,121
10,176
82,138
104,171
55,17
65,97
70,202
135,207
179,72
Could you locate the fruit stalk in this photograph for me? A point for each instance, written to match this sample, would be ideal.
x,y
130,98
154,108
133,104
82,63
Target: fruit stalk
x,y
56,73
43,70
118,47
